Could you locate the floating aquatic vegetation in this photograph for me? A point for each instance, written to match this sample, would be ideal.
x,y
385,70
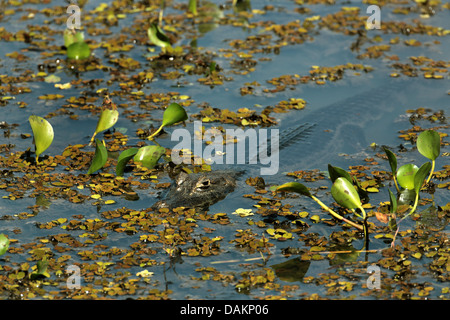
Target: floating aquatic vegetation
x,y
43,134
174,113
108,117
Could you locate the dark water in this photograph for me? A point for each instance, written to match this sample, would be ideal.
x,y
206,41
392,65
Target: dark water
x,y
375,120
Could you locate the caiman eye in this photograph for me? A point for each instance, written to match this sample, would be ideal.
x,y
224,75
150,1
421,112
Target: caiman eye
x,y
203,185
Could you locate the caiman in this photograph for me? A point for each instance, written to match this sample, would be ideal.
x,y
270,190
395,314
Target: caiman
x,y
201,190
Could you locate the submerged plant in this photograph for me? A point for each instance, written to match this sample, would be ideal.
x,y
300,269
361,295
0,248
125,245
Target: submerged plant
x,y
43,134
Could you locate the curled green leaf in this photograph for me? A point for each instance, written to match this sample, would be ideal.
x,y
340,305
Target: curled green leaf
x,y
336,172
123,159
157,36
392,160
345,194
100,157
393,200
148,156
294,187
420,176
108,117
43,134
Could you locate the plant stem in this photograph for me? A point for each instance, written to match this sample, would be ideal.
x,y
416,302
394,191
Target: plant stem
x,y
433,162
150,137
395,181
334,214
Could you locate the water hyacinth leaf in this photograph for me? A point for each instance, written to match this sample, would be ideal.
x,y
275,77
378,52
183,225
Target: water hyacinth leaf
x,y
429,144
72,37
78,51
4,244
123,159
405,175
336,172
393,200
148,156
41,270
192,7
173,114
157,36
345,194
301,189
420,176
100,157
108,117
392,160
43,134
294,187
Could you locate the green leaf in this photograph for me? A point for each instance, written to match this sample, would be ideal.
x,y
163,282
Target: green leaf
x,y
108,118
192,7
393,199
345,194
429,144
392,160
173,114
420,176
294,187
43,134
100,157
123,159
157,36
336,172
4,244
78,51
72,37
41,270
405,175
149,155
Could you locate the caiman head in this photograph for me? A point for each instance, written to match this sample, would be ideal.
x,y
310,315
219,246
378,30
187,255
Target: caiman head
x,y
199,190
